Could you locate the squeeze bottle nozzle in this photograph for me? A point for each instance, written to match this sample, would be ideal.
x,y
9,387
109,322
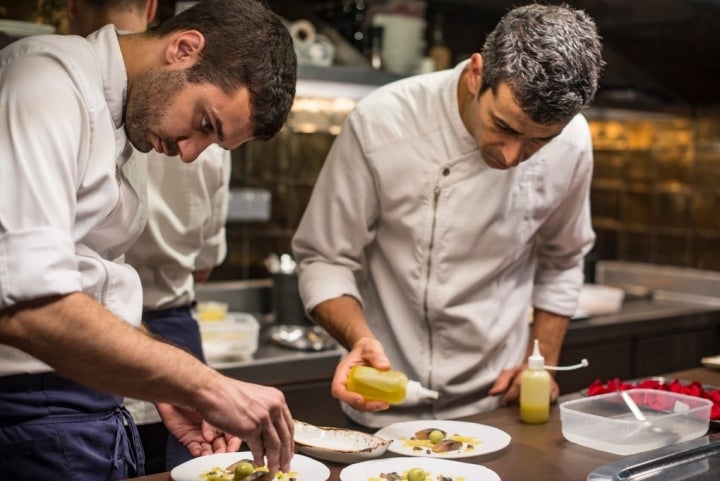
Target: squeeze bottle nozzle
x,y
414,391
536,360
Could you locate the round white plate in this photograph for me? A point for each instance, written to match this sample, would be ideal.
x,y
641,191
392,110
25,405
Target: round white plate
x,y
307,469
372,469
491,439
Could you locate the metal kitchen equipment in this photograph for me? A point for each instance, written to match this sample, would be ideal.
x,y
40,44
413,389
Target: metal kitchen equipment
x,y
285,298
696,460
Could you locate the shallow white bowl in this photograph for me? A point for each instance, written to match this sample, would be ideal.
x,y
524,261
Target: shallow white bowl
x,y
337,444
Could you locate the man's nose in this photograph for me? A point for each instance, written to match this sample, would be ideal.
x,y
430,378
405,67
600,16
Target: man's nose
x,y
515,151
190,148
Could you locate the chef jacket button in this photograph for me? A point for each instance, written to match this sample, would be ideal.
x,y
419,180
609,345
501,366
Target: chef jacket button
x,y
446,172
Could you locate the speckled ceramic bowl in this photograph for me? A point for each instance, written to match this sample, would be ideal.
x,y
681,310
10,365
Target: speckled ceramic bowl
x,y
337,444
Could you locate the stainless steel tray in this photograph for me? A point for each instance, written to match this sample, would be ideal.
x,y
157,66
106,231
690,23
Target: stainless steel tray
x,y
696,460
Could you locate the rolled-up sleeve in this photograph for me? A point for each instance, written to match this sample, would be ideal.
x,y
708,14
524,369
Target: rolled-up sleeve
x,y
38,175
564,241
338,223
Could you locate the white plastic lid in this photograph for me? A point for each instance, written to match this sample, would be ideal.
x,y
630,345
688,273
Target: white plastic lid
x,y
536,361
414,392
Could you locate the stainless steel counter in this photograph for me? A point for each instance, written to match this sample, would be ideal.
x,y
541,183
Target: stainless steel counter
x,y
674,322
277,365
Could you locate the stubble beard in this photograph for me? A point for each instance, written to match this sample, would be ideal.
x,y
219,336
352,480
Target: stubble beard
x,y
147,105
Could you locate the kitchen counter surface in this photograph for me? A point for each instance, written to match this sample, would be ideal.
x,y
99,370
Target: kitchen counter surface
x,y
279,365
537,452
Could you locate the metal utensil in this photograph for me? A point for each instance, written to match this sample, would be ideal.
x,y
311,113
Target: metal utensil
x,y
640,416
634,408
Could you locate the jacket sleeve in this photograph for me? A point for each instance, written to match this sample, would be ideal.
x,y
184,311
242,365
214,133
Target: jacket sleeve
x,y
214,248
566,237
338,221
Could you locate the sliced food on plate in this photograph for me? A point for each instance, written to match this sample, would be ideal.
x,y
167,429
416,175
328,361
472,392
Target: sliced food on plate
x,y
447,439
239,467
416,469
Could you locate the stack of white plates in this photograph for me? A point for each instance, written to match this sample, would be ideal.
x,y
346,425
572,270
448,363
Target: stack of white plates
x,y
19,28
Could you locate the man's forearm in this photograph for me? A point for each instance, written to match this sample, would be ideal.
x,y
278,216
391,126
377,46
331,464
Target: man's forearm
x,y
343,318
108,353
549,329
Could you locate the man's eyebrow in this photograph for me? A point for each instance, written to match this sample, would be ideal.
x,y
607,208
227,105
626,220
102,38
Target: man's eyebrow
x,y
501,123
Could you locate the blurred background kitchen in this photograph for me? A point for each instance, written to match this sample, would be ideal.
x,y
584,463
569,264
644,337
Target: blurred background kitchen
x,y
656,128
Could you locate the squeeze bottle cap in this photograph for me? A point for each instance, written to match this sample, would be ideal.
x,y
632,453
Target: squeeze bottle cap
x,y
536,361
414,391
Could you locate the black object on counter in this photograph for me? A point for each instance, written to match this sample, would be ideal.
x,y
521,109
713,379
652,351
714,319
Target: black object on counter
x,y
286,303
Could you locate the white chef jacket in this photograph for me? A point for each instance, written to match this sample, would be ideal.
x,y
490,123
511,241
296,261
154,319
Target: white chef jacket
x,y
445,254
67,212
187,210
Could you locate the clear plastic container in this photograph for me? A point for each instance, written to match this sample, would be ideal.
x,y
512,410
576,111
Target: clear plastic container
x,y
605,422
233,338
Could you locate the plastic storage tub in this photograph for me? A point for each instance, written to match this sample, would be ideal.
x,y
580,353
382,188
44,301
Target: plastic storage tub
x,y
605,422
233,338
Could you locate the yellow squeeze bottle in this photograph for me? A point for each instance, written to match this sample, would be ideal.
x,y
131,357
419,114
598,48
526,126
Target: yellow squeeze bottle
x,y
391,387
535,390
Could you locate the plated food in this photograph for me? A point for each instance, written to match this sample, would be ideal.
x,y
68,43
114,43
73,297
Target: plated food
x,y
221,467
337,444
443,439
401,469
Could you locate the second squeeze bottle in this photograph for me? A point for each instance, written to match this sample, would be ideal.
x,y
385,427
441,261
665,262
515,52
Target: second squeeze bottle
x,y
535,389
391,387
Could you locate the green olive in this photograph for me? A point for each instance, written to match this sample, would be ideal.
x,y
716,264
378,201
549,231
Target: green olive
x,y
436,436
416,474
243,470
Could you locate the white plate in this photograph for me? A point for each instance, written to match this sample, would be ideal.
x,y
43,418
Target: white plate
x,y
337,444
491,439
372,469
307,469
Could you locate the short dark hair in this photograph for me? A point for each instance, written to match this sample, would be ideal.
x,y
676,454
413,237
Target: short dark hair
x,y
246,45
549,55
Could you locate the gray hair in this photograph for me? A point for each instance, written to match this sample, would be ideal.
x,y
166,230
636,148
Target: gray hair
x,y
551,58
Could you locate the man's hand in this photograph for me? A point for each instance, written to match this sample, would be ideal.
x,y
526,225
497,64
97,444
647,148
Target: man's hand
x,y
199,437
258,414
508,384
367,351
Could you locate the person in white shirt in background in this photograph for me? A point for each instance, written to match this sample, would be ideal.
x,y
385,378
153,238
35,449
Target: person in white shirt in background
x,y
184,238
448,206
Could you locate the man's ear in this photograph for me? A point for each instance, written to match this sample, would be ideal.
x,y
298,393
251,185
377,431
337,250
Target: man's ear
x,y
150,10
184,48
474,76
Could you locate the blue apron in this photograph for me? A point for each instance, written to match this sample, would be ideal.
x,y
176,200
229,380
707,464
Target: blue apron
x,y
55,429
177,326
